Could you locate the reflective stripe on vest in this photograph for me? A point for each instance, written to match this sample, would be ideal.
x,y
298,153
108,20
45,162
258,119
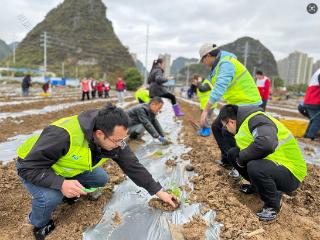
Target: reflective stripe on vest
x,y
143,95
287,153
204,96
77,160
242,90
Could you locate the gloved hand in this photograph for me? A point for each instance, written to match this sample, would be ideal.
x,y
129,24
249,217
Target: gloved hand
x,y
233,154
162,139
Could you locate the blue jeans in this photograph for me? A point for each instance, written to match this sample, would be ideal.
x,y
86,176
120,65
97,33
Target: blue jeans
x,y
45,200
314,124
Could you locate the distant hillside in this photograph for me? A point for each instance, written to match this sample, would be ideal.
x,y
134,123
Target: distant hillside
x,y
12,44
80,35
180,62
5,50
141,67
259,57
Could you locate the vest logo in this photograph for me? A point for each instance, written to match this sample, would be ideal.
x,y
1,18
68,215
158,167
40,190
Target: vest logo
x,y
75,157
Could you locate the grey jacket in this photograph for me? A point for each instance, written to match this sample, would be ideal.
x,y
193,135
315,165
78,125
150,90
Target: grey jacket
x,y
54,143
264,132
156,80
142,115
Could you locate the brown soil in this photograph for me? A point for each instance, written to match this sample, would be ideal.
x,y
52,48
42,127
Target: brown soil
x,y
34,105
116,218
71,221
28,124
299,218
195,229
159,204
171,163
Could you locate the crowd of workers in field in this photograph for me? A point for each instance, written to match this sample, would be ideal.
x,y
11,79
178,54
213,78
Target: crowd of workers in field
x,y
56,166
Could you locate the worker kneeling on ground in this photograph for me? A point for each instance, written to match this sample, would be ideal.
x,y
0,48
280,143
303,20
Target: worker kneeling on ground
x,y
267,155
142,95
144,117
66,158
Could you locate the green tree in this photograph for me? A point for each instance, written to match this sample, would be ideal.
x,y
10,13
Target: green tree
x,y
133,78
277,82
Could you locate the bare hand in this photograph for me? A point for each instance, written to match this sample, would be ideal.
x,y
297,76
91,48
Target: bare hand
x,y
203,117
72,188
166,197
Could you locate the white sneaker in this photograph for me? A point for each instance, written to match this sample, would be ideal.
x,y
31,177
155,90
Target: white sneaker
x,y
234,174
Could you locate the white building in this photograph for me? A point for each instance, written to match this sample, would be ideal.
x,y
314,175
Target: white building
x,y
296,68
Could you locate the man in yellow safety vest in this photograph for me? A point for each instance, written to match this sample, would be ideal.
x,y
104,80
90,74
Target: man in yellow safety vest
x,y
267,155
65,160
232,83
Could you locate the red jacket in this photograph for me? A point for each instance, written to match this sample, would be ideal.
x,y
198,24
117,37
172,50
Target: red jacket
x,y
313,90
100,87
121,85
264,87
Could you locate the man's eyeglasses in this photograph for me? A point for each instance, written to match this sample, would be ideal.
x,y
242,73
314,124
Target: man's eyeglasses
x,y
122,143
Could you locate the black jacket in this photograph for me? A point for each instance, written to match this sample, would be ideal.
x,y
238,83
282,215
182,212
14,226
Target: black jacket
x,y
26,82
54,142
156,80
142,115
264,132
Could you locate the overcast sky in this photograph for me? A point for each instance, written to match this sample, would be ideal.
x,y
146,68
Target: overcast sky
x,y
180,27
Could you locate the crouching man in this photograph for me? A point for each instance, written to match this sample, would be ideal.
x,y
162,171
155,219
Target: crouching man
x,y
267,155
66,158
143,117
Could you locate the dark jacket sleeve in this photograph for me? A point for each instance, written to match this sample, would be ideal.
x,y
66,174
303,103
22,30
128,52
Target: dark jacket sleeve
x,y
319,79
158,127
130,165
146,122
53,143
204,88
264,132
159,77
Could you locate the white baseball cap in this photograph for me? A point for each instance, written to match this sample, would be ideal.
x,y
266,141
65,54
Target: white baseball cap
x,y
206,48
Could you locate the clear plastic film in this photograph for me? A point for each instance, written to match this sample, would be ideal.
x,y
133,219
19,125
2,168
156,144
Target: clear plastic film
x,y
130,202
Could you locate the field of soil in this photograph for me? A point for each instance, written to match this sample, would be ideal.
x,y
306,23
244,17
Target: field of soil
x,y
299,218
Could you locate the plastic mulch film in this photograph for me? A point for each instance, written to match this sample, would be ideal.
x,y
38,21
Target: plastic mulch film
x,y
130,203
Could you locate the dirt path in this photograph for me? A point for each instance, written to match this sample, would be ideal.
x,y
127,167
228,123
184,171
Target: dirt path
x,y
299,218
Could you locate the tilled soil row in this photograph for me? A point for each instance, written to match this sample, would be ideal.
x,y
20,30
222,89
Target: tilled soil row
x,y
35,105
10,127
299,218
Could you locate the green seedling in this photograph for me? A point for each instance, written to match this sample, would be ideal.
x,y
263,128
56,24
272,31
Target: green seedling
x,y
89,190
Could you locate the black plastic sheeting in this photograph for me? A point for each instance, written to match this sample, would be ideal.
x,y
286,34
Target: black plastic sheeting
x,y
138,219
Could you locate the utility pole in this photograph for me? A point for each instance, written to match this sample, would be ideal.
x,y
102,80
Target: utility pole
x,y
14,53
246,49
44,41
62,69
187,80
146,59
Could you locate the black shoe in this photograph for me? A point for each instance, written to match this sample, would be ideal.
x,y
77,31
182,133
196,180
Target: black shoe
x,y
248,189
70,201
41,233
268,214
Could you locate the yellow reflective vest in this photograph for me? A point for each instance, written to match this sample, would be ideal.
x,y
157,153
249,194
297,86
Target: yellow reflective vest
x,y
242,90
287,152
77,160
